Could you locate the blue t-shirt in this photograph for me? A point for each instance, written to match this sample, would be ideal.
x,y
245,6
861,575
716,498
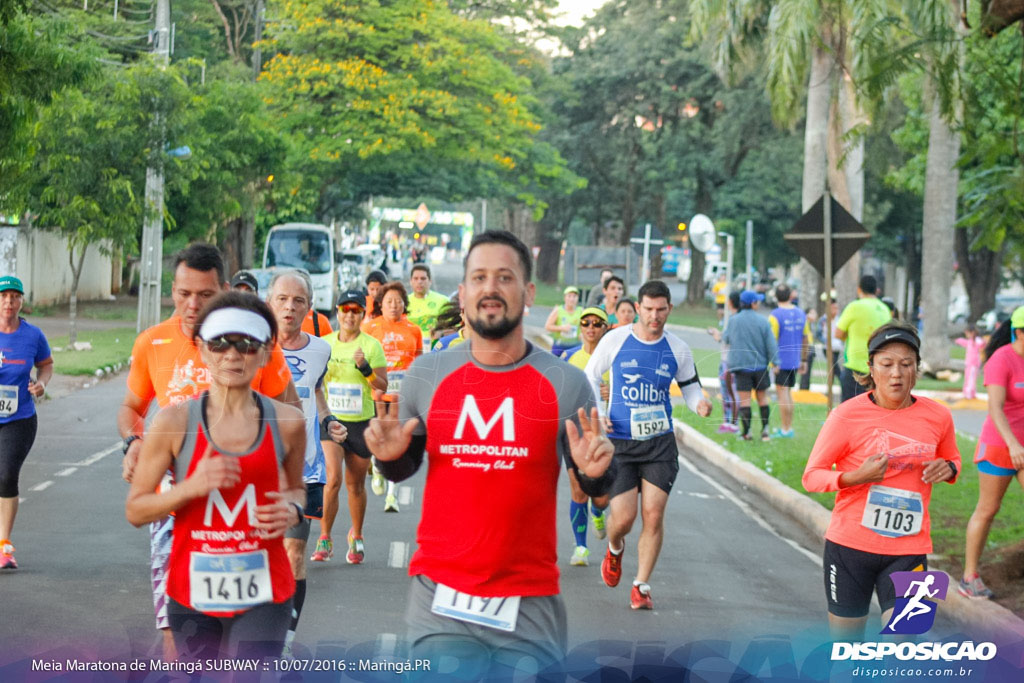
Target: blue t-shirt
x,y
641,375
789,331
19,353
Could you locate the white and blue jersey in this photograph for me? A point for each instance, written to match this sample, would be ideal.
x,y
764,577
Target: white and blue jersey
x,y
640,378
308,366
19,353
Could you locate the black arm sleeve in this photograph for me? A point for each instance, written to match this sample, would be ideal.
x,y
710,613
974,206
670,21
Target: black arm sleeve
x,y
405,466
596,488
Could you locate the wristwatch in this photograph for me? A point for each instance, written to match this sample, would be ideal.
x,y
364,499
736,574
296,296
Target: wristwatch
x,y
128,442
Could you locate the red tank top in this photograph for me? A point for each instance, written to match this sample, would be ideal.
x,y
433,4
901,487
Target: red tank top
x,y
220,564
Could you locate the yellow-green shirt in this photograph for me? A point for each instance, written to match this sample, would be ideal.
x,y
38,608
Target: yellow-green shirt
x,y
423,312
349,395
859,319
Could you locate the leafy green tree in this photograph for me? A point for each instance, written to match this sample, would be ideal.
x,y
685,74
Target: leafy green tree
x,y
92,148
376,90
35,62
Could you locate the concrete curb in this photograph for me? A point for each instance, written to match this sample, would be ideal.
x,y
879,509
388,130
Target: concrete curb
x,y
982,616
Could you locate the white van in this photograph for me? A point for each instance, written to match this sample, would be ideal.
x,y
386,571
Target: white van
x,y
309,246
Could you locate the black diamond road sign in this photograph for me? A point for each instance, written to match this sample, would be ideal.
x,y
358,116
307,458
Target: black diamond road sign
x,y
807,237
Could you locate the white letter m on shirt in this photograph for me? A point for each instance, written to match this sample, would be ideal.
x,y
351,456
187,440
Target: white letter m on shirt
x,y
247,500
472,411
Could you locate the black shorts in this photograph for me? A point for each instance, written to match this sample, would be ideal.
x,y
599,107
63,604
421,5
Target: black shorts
x,y
314,510
655,460
785,378
757,380
851,576
355,441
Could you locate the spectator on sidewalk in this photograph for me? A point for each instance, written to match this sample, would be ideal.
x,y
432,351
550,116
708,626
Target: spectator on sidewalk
x,y
596,296
972,344
812,331
726,384
752,349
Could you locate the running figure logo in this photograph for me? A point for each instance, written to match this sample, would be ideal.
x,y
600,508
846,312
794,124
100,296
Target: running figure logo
x,y
914,612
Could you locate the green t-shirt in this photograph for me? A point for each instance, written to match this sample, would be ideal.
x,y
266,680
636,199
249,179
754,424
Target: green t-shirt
x,y
423,312
859,319
349,395
564,317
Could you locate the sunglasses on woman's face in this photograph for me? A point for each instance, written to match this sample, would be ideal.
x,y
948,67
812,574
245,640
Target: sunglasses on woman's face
x,y
592,323
245,345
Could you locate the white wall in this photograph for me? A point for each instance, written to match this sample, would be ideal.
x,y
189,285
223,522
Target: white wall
x,y
41,260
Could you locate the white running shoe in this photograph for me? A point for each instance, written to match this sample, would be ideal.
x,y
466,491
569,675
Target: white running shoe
x,y
580,556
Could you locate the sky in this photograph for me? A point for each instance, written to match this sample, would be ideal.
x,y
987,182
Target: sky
x,y
575,10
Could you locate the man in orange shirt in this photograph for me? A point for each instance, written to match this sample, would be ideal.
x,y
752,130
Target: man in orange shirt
x,y
166,366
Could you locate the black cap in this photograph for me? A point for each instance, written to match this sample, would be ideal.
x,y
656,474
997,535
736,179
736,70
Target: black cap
x,y
244,277
352,296
377,276
891,335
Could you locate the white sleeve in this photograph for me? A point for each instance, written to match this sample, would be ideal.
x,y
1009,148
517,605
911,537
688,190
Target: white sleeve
x,y
600,362
686,373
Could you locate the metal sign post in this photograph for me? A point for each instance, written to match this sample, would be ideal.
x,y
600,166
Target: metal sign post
x,y
827,236
645,266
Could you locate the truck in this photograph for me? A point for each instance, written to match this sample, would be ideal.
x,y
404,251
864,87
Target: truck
x,y
309,246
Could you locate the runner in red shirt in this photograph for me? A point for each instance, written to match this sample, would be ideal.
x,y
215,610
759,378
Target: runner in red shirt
x,y
166,366
402,342
887,447
497,417
232,450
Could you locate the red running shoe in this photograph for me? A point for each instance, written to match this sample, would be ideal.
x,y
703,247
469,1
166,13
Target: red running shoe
x,y
640,597
611,568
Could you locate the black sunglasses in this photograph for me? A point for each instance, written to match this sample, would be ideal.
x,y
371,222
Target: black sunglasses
x,y
245,345
594,323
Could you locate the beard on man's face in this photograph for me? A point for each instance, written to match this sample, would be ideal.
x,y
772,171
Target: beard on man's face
x,y
497,328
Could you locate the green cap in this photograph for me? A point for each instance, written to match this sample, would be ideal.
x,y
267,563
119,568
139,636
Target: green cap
x,y
570,288
1017,319
595,312
10,282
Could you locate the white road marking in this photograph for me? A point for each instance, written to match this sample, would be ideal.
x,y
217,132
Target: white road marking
x,y
696,494
405,495
41,487
396,554
750,512
96,457
67,471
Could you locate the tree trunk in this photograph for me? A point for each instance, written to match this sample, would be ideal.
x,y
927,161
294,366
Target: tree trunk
x,y
819,92
247,242
937,233
550,253
231,246
848,274
980,270
705,205
76,274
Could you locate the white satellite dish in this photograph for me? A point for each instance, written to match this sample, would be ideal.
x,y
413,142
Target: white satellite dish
x,y
702,232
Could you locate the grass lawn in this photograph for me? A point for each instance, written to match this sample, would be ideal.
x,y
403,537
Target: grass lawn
x,y
109,347
682,314
951,505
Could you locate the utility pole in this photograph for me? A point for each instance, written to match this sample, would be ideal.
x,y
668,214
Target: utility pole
x,y
151,258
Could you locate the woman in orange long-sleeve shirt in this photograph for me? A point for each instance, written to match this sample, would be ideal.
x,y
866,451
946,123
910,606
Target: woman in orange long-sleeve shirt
x,y
881,452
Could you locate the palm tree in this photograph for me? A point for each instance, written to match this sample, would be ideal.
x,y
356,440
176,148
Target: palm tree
x,y
831,45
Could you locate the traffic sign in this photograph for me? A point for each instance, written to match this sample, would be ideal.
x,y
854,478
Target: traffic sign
x,y
702,232
807,237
